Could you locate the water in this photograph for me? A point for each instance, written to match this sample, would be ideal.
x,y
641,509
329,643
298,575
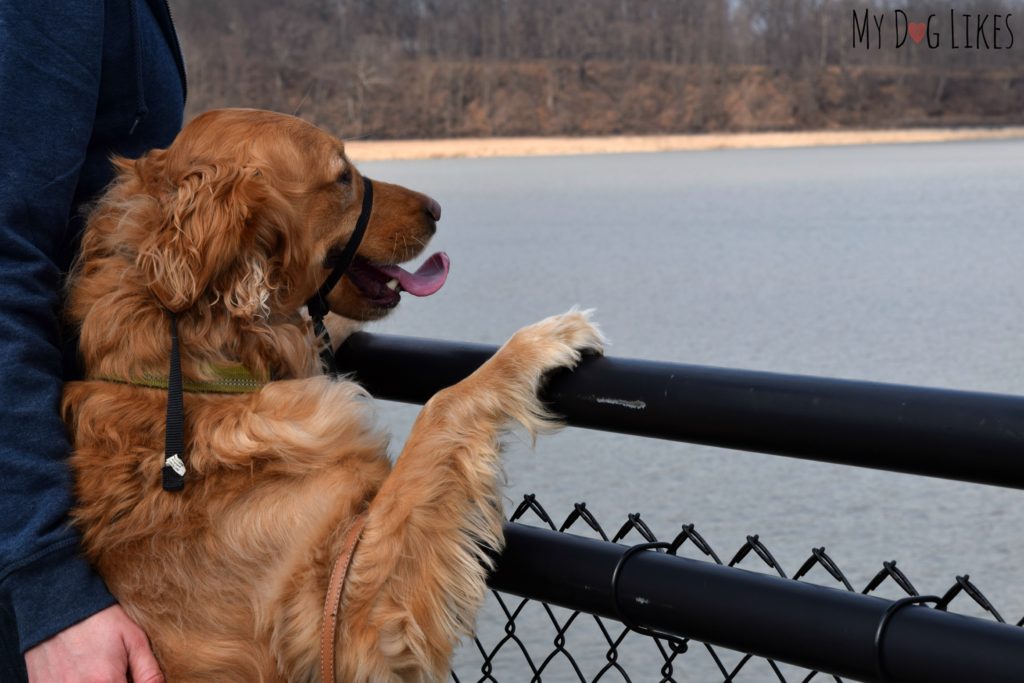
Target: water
x,y
898,263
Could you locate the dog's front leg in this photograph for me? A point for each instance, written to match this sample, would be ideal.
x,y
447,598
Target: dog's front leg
x,y
419,574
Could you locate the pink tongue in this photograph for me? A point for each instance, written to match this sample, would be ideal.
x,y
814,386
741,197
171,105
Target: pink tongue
x,y
426,280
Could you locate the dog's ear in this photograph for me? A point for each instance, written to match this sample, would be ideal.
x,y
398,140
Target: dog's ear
x,y
264,274
204,216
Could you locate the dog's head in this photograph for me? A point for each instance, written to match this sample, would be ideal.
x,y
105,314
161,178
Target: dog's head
x,y
249,205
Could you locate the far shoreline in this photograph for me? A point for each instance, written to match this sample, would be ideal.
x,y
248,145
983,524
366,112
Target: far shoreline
x,y
472,148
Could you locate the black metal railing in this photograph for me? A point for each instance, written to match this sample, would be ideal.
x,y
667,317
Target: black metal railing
x,y
960,435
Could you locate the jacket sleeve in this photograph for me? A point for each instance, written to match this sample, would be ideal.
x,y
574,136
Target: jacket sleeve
x,y
50,62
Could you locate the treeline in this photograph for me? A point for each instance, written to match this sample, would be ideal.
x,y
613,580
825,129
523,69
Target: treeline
x,y
430,68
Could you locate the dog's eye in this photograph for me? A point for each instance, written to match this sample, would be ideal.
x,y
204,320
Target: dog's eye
x,y
346,177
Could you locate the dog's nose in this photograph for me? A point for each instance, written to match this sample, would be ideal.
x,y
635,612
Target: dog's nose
x,y
433,208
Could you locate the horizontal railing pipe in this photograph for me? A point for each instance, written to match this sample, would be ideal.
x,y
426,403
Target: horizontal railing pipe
x,y
968,436
816,627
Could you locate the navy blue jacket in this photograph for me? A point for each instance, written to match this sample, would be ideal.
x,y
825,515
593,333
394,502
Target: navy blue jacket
x,y
79,80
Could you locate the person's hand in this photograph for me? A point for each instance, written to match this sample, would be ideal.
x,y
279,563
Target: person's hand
x,y
104,648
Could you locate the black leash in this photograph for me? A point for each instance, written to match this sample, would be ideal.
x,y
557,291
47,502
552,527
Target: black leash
x,y
174,444
317,304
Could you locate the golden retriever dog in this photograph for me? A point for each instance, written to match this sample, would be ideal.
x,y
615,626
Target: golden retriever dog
x,y
230,229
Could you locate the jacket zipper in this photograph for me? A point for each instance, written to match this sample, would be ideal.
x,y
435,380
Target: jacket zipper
x,y
178,57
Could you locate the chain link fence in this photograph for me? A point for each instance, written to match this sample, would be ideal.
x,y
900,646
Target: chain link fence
x,y
524,640
964,436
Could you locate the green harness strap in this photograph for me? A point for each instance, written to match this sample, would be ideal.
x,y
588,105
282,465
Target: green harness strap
x,y
228,379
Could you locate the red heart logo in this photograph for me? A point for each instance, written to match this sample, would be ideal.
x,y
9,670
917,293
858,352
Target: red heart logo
x,y
916,31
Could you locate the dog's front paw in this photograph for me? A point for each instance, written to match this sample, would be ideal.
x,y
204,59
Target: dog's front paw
x,y
559,341
521,365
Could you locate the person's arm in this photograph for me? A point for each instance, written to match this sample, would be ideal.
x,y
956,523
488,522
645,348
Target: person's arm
x,y
50,60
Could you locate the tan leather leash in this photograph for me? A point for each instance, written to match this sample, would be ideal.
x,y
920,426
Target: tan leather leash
x,y
332,604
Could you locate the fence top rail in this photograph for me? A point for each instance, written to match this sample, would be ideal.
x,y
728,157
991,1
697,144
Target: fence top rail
x,y
862,637
967,436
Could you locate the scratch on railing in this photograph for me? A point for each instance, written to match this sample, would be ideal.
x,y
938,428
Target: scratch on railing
x,y
625,403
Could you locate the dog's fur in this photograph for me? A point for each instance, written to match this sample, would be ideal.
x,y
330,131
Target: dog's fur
x,y
229,227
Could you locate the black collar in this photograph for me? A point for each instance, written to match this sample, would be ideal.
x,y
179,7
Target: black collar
x,y
341,260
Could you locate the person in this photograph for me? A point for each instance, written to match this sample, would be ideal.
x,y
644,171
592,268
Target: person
x,y
79,81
